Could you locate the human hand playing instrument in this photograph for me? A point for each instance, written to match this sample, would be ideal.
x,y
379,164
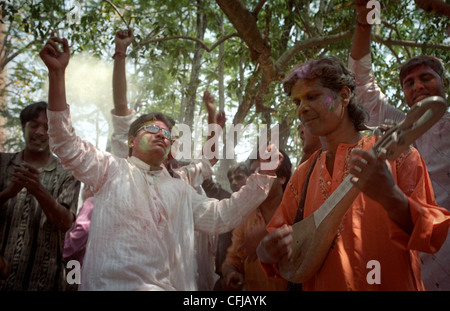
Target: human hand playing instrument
x,y
373,176
276,246
368,171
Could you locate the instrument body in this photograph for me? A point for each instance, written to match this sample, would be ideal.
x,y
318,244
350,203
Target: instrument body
x,y
313,236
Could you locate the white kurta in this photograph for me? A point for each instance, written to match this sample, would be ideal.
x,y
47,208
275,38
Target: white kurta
x,y
142,227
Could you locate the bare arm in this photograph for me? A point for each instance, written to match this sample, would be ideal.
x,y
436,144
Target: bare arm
x,y
122,41
213,118
434,5
362,36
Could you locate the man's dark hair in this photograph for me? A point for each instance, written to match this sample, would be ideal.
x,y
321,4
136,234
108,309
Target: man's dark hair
x,y
433,62
32,111
285,169
240,167
332,74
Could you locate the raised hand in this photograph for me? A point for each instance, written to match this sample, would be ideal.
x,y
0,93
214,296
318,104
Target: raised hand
x,y
53,57
363,11
123,39
269,163
209,102
221,119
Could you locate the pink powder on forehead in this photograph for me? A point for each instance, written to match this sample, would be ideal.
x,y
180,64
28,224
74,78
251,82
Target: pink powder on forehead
x,y
304,71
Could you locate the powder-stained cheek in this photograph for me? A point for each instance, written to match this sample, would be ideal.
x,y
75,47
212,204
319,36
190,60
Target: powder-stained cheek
x,y
329,102
144,145
167,152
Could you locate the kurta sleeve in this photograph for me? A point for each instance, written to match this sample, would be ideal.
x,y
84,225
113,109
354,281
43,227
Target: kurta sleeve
x,y
431,222
88,164
369,95
119,137
195,172
214,216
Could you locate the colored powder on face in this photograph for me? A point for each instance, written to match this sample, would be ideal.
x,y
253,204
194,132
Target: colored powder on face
x,y
144,145
329,102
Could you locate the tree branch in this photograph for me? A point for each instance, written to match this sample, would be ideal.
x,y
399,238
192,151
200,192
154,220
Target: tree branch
x,y
200,42
258,7
284,59
410,43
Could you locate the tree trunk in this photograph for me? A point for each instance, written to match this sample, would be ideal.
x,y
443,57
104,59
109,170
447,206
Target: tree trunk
x,y
191,92
224,164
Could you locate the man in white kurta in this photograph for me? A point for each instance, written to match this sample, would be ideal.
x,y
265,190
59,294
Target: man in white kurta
x,y
142,227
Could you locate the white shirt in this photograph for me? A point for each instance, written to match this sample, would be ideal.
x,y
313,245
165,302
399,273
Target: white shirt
x,y
194,174
142,227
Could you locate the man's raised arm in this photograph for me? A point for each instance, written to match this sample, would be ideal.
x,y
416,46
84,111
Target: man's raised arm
x,y
362,36
123,40
56,61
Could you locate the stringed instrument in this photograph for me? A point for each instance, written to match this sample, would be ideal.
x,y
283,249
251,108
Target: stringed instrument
x,y
313,236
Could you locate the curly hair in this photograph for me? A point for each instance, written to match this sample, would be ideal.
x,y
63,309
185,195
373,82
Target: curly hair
x,y
333,75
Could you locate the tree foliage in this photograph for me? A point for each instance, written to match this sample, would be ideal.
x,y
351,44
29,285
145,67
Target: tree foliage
x,y
261,39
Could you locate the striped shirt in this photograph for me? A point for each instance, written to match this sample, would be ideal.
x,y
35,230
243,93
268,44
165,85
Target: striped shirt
x,y
28,241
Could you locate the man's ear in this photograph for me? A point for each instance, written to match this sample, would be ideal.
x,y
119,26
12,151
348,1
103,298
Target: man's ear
x,y
130,142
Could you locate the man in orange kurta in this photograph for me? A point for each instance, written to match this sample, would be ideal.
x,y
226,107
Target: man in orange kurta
x,y
377,243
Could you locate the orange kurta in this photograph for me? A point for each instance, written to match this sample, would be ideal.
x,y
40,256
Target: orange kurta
x,y
254,277
366,232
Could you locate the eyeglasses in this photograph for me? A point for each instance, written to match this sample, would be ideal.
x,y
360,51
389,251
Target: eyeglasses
x,y
152,128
